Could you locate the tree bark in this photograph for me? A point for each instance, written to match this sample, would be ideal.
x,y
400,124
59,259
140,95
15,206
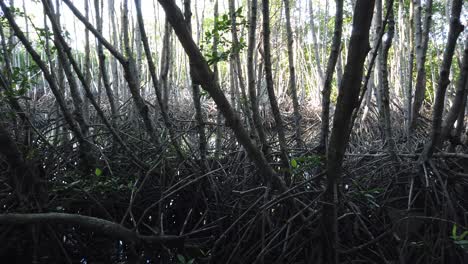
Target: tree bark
x,y
269,83
128,64
89,93
113,61
93,224
50,79
165,63
205,77
457,108
409,84
156,85
251,78
102,63
385,89
454,31
202,144
421,52
316,47
348,99
332,59
292,76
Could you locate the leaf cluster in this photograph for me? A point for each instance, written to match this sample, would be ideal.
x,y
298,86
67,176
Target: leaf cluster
x,y
460,240
300,165
220,33
21,81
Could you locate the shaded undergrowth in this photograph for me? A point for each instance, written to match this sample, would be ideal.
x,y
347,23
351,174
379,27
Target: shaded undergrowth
x,y
390,211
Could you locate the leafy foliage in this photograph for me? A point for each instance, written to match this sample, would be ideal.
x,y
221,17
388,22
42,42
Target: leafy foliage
x,y
221,32
300,165
460,240
20,81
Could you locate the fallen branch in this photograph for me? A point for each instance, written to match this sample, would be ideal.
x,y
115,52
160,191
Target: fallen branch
x,y
94,224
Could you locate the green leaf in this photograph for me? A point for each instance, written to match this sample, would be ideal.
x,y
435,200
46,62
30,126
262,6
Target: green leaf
x,y
98,172
294,163
191,261
454,232
181,258
463,235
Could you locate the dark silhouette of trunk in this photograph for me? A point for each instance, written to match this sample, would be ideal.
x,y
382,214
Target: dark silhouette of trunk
x,y
409,84
316,46
202,145
205,77
156,85
128,64
87,65
74,127
23,177
385,89
88,91
334,54
257,120
102,62
219,117
131,75
456,139
236,63
454,31
113,61
165,63
80,112
421,52
292,76
348,99
269,83
457,108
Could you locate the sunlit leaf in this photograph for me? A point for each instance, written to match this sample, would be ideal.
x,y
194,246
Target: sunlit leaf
x,y
98,172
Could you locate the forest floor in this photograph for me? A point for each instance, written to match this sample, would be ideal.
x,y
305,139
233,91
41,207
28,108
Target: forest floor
x,y
390,211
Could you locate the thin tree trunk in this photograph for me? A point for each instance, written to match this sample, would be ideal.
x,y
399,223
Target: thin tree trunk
x,y
454,31
87,62
292,76
377,80
133,81
348,99
156,85
332,59
460,123
89,93
460,95
206,78
384,86
113,61
269,81
251,78
202,145
409,84
102,63
219,117
421,52
50,79
316,47
237,67
165,63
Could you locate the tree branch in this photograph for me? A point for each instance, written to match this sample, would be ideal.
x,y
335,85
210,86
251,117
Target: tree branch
x,y
97,225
